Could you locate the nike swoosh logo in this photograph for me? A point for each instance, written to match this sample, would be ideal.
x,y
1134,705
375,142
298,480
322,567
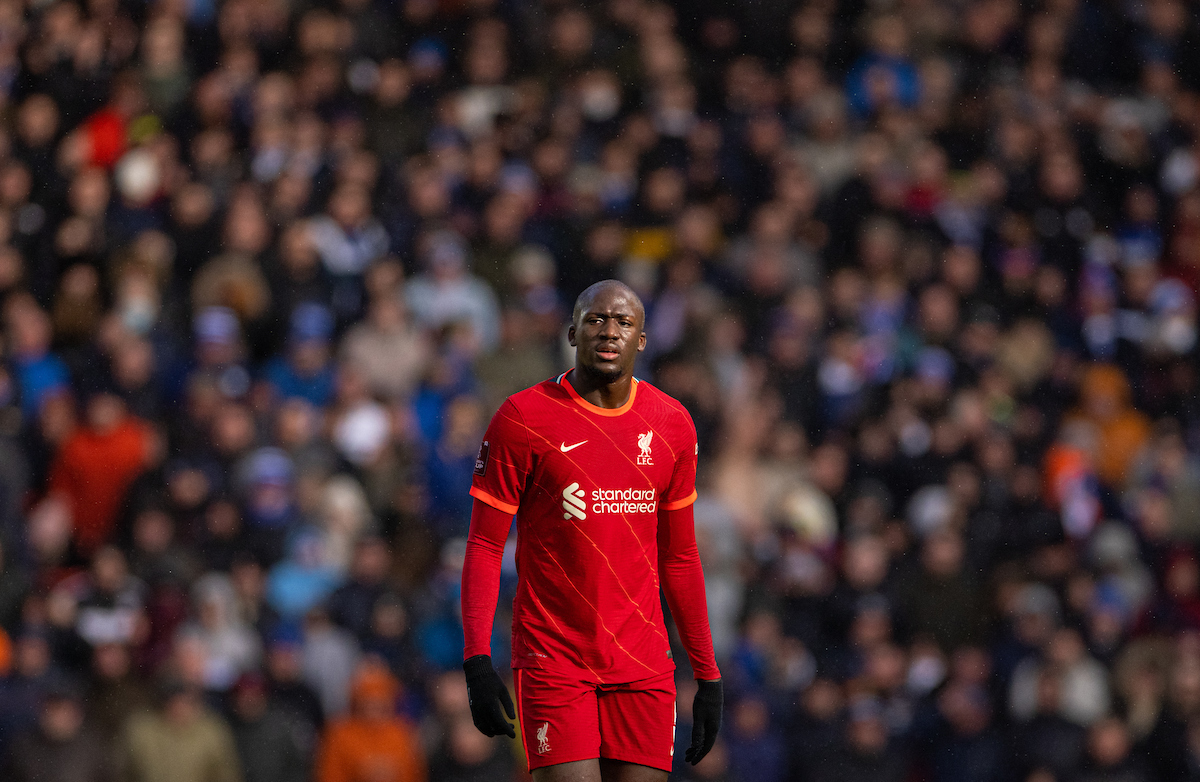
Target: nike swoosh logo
x,y
564,447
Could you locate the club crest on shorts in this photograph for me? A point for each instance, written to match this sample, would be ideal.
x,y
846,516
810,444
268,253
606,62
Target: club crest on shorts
x,y
643,441
543,741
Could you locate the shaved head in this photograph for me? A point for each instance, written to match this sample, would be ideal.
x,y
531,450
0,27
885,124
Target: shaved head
x,y
592,291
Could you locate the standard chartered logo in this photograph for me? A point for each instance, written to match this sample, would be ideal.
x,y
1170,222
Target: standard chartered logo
x,y
573,502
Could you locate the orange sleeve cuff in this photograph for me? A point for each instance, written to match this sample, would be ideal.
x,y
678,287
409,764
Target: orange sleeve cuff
x,y
500,505
677,504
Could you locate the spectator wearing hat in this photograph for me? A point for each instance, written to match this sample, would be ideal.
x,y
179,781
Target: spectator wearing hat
x,y
219,353
180,741
266,740
372,742
268,486
61,747
306,371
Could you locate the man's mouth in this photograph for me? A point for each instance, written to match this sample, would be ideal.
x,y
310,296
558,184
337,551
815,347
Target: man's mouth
x,y
608,354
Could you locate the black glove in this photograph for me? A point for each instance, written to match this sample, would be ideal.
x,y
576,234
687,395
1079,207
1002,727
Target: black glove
x,y
486,693
706,719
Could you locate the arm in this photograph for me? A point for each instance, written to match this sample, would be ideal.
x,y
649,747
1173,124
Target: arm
x,y
683,582
481,576
480,591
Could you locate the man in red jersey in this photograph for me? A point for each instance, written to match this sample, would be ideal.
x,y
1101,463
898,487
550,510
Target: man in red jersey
x,y
599,469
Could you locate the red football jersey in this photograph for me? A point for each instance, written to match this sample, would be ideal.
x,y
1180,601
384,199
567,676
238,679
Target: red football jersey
x,y
586,484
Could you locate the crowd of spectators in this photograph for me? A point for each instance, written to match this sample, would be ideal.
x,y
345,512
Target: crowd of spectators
x,y
924,272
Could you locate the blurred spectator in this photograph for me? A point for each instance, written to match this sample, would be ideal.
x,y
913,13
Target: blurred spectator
x,y
179,740
62,747
306,372
372,739
330,657
39,372
864,754
387,349
96,464
231,646
353,604
265,740
446,294
22,687
116,691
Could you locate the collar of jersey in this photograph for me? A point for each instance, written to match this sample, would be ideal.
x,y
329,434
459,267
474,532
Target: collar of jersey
x,y
591,408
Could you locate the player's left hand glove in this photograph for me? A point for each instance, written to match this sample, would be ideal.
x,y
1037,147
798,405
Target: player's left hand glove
x,y
706,719
487,694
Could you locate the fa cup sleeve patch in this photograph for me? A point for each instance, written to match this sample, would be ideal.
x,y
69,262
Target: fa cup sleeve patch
x,y
481,459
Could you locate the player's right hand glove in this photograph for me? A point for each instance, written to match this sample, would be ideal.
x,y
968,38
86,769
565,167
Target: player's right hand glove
x,y
706,719
487,693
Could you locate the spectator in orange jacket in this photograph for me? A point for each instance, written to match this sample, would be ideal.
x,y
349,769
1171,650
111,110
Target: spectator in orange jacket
x,y
372,744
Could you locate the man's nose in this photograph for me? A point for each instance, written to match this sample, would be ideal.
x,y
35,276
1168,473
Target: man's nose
x,y
610,328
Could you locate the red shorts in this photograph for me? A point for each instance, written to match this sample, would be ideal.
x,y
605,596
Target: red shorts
x,y
564,719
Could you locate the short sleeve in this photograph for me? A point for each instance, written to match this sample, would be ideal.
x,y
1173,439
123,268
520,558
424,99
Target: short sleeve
x,y
504,461
682,490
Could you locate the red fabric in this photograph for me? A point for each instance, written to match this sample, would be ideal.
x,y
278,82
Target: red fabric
x,y
93,471
683,584
106,134
563,720
589,487
481,576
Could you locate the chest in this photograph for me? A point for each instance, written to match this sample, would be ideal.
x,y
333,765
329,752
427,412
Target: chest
x,y
627,451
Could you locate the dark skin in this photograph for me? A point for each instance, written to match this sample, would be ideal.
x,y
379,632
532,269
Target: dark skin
x,y
607,334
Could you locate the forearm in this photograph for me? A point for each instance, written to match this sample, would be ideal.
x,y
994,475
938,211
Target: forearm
x,y
481,576
683,583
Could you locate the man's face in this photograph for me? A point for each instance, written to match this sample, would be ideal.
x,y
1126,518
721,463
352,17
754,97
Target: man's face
x,y
609,335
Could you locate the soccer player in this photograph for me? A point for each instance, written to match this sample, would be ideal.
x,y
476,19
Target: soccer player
x,y
599,469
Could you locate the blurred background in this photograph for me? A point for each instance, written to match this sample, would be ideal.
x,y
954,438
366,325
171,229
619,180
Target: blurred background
x,y
924,272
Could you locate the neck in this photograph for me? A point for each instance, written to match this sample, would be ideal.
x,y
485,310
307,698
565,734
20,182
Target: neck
x,y
600,391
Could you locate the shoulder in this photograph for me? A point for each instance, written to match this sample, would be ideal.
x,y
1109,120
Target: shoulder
x,y
341,731
535,397
664,402
142,725
214,727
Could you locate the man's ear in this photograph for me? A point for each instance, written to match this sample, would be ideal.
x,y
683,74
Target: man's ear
x,y
641,342
571,335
